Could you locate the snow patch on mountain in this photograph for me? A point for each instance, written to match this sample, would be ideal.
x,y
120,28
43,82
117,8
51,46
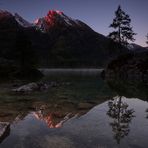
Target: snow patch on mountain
x,y
56,18
4,11
4,14
22,21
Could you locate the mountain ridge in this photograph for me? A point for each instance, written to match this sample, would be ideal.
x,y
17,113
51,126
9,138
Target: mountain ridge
x,y
55,18
58,40
136,48
46,19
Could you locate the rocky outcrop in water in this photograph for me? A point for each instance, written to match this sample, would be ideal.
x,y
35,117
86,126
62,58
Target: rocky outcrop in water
x,y
130,66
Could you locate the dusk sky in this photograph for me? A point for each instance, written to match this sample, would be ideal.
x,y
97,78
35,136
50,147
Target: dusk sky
x,y
98,14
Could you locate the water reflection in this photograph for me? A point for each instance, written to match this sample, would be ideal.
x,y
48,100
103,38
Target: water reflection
x,y
129,88
56,114
53,114
53,120
79,115
51,109
48,125
121,115
147,113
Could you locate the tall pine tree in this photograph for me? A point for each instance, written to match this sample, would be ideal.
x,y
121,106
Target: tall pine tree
x,y
122,25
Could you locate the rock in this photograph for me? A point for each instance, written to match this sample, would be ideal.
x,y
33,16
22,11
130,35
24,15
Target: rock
x,y
54,84
27,88
30,87
4,130
38,86
85,105
42,86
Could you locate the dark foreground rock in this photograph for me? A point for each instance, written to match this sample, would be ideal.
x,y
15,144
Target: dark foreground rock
x,y
4,130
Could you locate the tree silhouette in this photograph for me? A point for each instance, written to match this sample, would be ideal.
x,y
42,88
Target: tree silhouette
x,y
123,30
118,110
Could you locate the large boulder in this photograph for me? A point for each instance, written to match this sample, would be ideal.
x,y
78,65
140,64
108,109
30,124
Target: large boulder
x,y
4,130
30,87
27,88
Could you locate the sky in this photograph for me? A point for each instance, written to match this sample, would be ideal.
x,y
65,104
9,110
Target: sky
x,y
98,14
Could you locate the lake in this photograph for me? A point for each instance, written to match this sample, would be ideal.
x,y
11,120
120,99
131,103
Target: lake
x,y
83,111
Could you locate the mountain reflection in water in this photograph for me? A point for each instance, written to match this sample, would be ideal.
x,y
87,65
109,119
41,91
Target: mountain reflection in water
x,y
54,119
90,113
50,119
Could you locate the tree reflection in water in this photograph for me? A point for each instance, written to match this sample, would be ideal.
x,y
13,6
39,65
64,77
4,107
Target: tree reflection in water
x,y
147,113
118,110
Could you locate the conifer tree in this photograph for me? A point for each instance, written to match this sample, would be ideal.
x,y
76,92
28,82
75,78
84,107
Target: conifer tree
x,y
123,31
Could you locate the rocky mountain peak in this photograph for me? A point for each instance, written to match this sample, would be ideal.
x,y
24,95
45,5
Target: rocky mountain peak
x,y
5,14
56,18
22,21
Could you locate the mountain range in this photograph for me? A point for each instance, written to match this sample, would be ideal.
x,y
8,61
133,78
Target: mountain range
x,y
56,40
137,48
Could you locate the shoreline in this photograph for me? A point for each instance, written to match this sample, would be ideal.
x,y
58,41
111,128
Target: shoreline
x,y
47,71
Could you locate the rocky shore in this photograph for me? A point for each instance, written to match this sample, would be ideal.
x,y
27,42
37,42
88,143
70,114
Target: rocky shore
x,y
132,66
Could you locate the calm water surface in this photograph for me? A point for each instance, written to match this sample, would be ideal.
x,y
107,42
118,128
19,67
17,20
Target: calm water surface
x,y
84,111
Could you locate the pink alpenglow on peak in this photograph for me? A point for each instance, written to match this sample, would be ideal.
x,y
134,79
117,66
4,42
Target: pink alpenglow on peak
x,y
55,12
57,19
36,21
52,17
59,12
